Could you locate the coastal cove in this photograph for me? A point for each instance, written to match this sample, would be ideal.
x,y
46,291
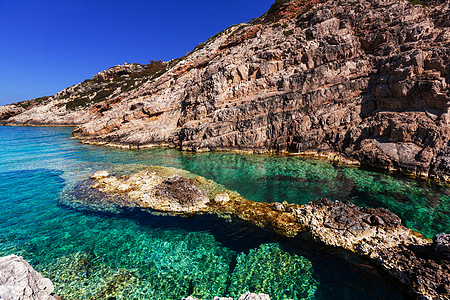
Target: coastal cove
x,y
86,254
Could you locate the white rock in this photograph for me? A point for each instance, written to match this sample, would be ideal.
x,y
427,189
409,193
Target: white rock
x,y
123,187
19,281
99,175
222,198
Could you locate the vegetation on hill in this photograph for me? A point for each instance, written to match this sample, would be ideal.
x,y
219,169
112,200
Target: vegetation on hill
x,y
98,90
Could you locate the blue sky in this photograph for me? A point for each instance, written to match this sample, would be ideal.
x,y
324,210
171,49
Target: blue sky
x,y
46,46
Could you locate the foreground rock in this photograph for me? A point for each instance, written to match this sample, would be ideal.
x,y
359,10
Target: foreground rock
x,y
19,281
422,266
367,79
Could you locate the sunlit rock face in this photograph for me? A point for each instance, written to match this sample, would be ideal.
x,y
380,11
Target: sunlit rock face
x,y
18,280
369,79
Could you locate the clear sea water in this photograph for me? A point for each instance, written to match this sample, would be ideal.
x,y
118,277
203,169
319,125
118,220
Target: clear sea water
x,y
139,256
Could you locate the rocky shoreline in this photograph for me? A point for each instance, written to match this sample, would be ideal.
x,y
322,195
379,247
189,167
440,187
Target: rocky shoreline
x,y
421,266
366,79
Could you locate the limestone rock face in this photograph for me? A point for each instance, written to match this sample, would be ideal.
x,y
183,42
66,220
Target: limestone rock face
x,y
9,111
368,79
19,281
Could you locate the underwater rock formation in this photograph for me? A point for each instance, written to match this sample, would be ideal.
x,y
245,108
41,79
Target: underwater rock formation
x,y
367,79
19,281
376,233
246,296
272,271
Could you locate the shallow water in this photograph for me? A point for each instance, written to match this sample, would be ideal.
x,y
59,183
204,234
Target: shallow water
x,y
137,256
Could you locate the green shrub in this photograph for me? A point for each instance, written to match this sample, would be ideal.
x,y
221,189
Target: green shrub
x,y
287,33
309,36
417,2
29,103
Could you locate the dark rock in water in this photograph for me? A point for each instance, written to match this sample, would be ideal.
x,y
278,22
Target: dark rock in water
x,y
378,234
182,190
18,280
423,267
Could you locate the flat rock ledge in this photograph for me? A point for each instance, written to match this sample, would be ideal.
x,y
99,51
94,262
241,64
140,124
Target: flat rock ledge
x,y
19,281
422,266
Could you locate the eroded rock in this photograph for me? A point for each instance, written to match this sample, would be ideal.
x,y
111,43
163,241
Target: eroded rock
x,y
18,280
100,175
421,265
222,198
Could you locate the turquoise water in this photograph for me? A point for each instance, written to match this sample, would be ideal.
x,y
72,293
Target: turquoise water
x,y
138,256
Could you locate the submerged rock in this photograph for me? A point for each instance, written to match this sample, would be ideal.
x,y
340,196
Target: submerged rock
x,y
246,296
376,233
252,296
19,281
272,271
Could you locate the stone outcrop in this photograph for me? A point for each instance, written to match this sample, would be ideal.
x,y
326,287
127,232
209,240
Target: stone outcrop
x,y
421,265
378,234
9,111
19,281
368,79
147,189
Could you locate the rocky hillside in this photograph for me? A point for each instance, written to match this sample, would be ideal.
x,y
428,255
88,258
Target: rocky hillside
x,y
369,79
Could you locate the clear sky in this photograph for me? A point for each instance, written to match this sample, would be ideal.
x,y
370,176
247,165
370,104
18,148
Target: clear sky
x,y
46,46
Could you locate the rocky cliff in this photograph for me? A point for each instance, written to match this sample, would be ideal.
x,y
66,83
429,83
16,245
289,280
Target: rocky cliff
x,y
369,79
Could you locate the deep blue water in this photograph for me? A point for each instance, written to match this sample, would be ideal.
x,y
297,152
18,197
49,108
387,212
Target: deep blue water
x,y
138,256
